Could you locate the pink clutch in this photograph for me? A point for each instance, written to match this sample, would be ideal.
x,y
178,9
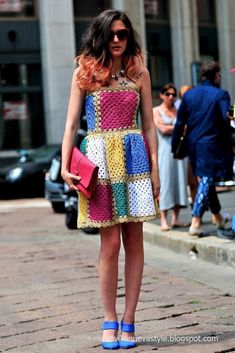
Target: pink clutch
x,y
87,170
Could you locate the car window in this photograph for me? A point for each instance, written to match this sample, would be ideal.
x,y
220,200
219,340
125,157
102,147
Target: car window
x,y
44,153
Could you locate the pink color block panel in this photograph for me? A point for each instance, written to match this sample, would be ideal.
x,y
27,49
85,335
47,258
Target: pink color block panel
x,y
100,205
117,109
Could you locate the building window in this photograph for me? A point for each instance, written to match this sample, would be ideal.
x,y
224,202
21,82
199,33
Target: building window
x,y
207,30
87,8
21,106
84,12
18,8
156,9
158,40
206,11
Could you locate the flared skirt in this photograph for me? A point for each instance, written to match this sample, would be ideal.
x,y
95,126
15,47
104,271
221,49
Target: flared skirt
x,y
124,188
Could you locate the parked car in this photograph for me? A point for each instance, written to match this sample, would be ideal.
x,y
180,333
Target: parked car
x,y
54,185
9,157
71,208
25,176
71,211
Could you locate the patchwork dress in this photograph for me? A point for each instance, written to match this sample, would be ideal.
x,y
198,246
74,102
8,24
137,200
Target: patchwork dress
x,y
116,144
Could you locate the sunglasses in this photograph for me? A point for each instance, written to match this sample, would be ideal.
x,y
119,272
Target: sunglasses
x,y
170,94
122,34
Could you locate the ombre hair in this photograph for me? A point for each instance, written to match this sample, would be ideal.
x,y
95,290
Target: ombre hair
x,y
95,61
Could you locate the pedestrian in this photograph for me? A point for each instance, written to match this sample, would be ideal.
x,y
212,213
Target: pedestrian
x,y
114,83
192,180
173,173
204,111
183,89
230,233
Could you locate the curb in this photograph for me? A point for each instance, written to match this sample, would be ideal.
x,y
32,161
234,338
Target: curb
x,y
211,249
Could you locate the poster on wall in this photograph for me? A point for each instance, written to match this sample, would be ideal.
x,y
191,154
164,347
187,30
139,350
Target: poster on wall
x,y
10,6
15,110
151,7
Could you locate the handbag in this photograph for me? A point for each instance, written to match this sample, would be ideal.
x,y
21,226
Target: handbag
x,y
180,151
86,169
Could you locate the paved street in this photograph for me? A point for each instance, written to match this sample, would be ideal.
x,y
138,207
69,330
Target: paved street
x,y
50,300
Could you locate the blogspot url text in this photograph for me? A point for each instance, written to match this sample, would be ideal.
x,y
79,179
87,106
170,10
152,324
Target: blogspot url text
x,y
170,339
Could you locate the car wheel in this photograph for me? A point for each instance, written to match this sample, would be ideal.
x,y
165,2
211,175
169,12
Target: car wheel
x,y
91,230
71,219
58,207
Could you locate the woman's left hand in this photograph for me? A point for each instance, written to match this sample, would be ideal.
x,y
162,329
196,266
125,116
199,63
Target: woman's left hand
x,y
155,183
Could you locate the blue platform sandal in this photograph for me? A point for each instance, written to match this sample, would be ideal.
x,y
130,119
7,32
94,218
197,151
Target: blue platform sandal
x,y
126,344
110,325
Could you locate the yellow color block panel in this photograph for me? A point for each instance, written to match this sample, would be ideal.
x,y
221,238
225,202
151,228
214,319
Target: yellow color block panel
x,y
115,157
83,208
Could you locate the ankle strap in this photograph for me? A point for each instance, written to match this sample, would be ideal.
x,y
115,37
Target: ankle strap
x,y
110,325
127,327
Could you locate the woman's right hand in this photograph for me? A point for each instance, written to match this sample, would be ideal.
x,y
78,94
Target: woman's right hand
x,y
71,180
155,183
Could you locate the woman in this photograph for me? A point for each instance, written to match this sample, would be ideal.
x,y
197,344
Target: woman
x,y
173,173
112,80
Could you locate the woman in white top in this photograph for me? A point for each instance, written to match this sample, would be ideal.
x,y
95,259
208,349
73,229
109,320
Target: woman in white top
x,y
173,173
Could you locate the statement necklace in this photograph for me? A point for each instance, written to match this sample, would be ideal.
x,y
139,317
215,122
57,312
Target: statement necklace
x,y
122,73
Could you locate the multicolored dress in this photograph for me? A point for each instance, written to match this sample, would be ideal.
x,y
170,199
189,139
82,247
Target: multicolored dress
x,y
115,143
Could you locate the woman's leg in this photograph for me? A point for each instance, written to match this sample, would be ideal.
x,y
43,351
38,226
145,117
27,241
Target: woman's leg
x,y
192,182
200,202
206,195
164,224
132,236
175,222
175,215
108,274
214,205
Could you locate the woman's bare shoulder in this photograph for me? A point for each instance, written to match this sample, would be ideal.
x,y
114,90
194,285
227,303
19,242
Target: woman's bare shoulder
x,y
142,73
76,72
156,110
143,77
75,81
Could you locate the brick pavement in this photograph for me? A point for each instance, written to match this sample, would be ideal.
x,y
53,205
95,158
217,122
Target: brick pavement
x,y
50,300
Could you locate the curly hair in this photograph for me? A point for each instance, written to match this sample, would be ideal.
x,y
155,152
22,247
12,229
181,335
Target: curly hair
x,y
95,61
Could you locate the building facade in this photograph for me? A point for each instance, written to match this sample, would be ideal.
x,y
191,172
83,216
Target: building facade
x,y
39,40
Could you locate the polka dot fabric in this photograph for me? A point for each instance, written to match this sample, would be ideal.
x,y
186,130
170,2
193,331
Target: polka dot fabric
x,y
115,143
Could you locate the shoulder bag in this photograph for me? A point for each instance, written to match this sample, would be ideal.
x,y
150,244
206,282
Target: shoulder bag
x,y
180,150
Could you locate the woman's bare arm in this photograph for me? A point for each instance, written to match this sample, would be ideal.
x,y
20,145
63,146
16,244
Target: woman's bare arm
x,y
149,128
74,111
165,129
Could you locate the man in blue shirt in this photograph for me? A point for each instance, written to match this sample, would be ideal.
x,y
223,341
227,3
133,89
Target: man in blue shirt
x,y
204,111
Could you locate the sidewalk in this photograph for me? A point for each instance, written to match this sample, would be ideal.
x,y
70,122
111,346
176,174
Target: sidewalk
x,y
50,298
211,248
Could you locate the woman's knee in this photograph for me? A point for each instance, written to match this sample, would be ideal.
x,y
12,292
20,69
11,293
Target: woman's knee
x,y
132,236
110,241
